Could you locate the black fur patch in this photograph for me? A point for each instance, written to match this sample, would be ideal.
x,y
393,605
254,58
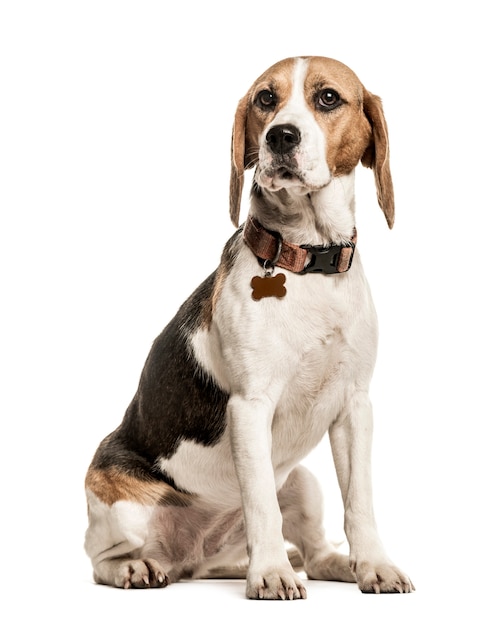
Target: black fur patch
x,y
175,400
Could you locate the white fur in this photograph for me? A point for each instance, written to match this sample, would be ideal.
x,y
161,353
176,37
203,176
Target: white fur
x,y
114,531
209,471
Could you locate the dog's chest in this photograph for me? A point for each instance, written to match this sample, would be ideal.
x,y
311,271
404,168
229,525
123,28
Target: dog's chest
x,y
303,353
301,350
255,344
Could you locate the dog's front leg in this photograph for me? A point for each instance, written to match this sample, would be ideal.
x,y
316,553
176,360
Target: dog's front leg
x,y
270,575
351,437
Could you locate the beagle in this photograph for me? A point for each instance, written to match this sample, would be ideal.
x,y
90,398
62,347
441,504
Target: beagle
x,y
272,351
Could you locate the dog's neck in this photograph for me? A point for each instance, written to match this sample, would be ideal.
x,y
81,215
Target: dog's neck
x,y
318,217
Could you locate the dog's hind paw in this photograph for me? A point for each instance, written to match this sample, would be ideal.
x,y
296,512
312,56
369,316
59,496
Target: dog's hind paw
x,y
279,584
140,574
334,566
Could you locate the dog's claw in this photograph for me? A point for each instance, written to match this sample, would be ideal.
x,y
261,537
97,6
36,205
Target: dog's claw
x,y
141,574
276,587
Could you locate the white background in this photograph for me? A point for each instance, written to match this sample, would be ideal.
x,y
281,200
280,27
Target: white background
x,y
115,122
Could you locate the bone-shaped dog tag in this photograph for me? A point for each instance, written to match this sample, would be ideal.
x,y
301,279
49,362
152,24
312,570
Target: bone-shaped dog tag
x,y
268,286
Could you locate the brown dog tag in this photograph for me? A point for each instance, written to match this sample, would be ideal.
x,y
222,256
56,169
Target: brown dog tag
x,y
268,286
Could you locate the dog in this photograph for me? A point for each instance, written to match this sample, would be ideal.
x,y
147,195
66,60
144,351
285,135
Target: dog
x,y
272,351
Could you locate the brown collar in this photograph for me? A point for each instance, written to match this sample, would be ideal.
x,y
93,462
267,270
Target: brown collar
x,y
269,246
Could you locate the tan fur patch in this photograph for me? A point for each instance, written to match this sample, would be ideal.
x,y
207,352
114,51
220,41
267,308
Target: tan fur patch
x,y
226,263
221,276
112,485
279,80
346,129
249,123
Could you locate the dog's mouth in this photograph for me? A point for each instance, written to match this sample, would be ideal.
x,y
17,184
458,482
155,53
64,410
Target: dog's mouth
x,y
285,173
279,177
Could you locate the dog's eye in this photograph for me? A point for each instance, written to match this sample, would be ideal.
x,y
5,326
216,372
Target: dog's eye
x,y
328,99
266,99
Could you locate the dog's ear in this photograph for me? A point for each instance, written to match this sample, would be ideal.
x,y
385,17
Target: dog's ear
x,y
377,155
238,150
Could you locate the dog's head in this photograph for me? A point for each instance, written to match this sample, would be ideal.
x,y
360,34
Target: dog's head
x,y
304,121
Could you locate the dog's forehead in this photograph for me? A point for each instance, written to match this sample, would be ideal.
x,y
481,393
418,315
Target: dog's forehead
x,y
320,72
331,73
279,75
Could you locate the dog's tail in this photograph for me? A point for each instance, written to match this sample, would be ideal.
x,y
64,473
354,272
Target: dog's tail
x,y
240,570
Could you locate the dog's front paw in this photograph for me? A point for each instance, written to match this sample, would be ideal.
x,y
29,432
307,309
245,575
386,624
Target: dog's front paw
x,y
276,584
140,574
381,578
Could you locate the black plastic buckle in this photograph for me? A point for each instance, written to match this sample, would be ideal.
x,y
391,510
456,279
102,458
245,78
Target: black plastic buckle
x,y
325,258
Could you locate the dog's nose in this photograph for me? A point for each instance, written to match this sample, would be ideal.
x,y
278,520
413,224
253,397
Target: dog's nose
x,y
282,138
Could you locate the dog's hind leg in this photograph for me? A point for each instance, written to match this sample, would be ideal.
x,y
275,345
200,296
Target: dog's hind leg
x,y
121,539
300,500
116,536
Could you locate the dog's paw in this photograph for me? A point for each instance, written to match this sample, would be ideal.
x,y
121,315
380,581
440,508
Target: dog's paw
x,y
381,578
278,584
335,566
140,574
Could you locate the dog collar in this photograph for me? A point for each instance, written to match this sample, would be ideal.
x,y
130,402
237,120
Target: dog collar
x,y
273,250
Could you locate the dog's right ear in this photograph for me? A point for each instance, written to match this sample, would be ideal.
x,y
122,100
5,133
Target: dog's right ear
x,y
238,151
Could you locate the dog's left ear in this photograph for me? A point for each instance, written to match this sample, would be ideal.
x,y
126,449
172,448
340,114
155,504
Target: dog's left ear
x,y
377,155
238,150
